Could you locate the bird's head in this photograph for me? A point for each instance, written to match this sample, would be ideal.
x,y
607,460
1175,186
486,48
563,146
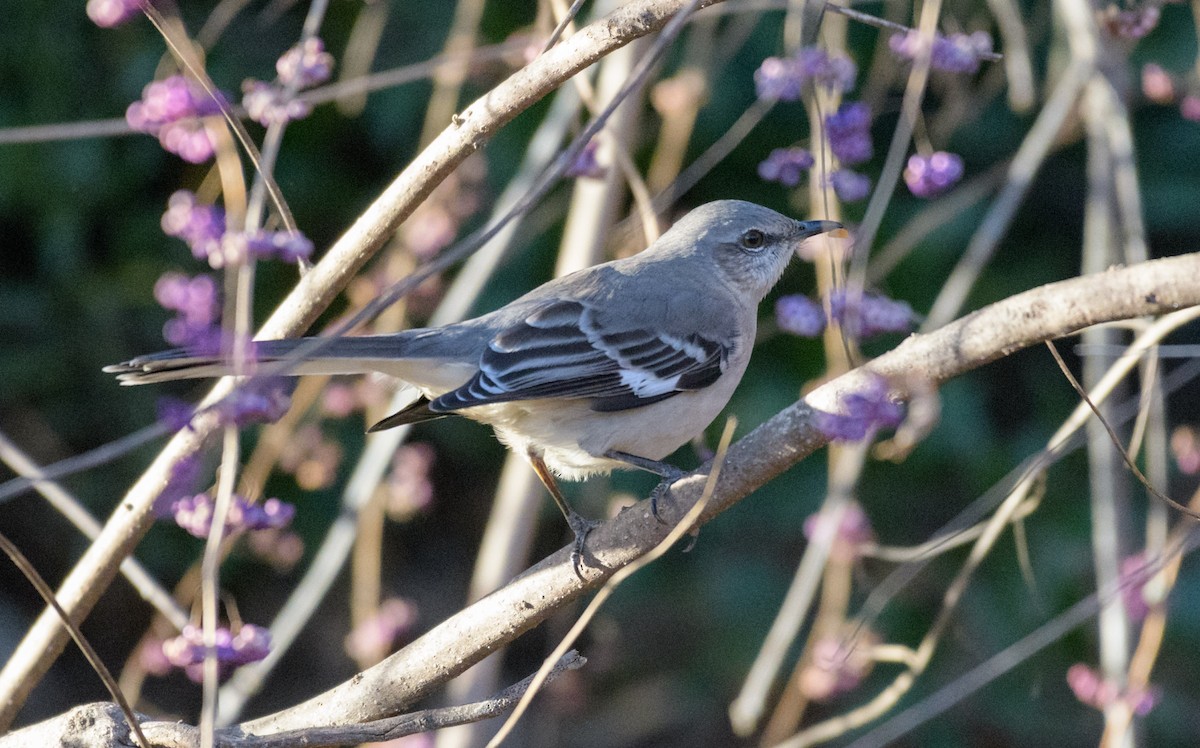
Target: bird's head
x,y
749,245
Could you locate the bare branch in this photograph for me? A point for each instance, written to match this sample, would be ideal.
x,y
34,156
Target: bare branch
x,y
101,725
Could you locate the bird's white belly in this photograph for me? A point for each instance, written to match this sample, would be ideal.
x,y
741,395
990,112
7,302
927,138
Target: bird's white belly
x,y
572,438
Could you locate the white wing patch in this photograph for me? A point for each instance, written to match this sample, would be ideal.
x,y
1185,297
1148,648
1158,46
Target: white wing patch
x,y
643,381
645,384
691,349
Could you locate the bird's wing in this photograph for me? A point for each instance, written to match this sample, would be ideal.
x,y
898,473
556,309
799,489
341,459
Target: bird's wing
x,y
562,351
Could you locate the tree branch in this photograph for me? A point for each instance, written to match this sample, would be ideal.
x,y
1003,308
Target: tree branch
x,y
102,725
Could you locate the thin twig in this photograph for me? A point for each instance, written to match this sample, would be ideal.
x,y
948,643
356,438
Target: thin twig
x,y
175,735
1108,487
746,711
78,515
101,455
880,23
1024,167
182,50
997,665
893,165
685,525
1116,440
47,594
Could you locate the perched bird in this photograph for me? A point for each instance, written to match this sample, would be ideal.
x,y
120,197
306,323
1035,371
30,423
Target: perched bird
x,y
614,366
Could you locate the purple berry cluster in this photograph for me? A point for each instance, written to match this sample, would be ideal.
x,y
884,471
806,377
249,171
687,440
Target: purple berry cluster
x,y
200,226
1157,84
1185,448
850,186
256,401
312,458
185,473
849,133
303,66
173,109
862,413
203,228
852,532
409,489
785,166
784,78
195,514
930,176
175,414
285,246
865,315
1130,22
860,315
1093,689
268,104
956,53
250,644
1160,87
839,664
197,308
799,315
373,639
434,224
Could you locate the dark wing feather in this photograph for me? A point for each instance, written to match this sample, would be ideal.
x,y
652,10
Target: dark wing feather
x,y
560,351
416,412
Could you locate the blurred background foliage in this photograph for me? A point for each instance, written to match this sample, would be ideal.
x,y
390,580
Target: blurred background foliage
x,y
82,247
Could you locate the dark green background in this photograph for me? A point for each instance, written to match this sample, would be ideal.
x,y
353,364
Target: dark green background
x,y
81,248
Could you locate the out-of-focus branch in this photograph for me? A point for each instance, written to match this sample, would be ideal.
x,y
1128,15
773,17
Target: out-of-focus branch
x,y
78,515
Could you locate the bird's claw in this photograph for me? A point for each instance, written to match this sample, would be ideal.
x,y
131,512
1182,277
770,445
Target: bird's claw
x,y
693,535
662,492
581,526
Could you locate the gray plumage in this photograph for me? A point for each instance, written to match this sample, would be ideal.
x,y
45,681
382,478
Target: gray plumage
x,y
631,357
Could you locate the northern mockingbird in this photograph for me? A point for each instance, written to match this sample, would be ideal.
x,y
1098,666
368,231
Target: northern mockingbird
x,y
614,366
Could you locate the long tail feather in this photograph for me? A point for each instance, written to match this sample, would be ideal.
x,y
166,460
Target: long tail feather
x,y
352,355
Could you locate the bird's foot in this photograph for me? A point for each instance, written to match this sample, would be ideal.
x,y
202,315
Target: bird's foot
x,y
581,526
662,492
668,472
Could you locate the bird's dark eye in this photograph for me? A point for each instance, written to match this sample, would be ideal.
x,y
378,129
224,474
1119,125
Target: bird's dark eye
x,y
753,239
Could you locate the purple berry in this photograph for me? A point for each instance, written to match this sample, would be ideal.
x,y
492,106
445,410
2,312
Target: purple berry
x,y
305,65
929,176
850,186
866,315
800,315
785,166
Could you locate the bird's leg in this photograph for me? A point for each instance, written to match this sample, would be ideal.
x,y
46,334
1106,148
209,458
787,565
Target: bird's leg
x,y
668,472
579,524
